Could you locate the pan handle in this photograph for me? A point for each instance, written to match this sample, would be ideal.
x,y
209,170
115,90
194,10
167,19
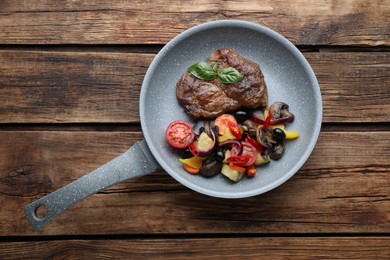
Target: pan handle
x,y
135,162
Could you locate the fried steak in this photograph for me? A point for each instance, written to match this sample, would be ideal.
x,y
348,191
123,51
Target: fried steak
x,y
209,99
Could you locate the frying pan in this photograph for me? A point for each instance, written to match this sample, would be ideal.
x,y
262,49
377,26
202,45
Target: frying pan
x,y
289,78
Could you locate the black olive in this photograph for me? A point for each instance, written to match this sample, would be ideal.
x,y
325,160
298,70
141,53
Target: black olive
x,y
241,115
278,135
186,153
219,156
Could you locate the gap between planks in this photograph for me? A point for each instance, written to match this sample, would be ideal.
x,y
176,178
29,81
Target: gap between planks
x,y
155,48
186,236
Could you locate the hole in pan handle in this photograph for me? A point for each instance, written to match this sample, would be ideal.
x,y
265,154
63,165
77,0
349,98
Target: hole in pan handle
x,y
135,162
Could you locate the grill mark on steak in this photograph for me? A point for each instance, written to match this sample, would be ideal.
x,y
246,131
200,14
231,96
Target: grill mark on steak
x,y
209,99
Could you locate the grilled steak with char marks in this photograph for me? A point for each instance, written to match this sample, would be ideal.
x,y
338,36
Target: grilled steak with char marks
x,y
209,99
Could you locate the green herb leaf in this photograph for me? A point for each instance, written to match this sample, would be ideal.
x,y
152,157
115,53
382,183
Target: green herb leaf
x,y
202,70
230,75
215,67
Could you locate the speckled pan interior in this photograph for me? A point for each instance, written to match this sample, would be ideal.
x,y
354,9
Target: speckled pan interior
x,y
289,78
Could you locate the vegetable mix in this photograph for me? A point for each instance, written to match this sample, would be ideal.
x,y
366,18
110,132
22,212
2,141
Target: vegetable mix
x,y
232,144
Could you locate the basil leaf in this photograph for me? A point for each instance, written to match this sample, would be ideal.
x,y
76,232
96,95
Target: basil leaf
x,y
230,75
202,70
215,67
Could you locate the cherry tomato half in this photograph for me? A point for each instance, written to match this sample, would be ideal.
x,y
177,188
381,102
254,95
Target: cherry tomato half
x,y
247,157
250,152
179,134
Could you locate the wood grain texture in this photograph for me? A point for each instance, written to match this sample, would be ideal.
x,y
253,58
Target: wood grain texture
x,y
343,187
203,248
70,78
326,22
354,86
70,87
89,87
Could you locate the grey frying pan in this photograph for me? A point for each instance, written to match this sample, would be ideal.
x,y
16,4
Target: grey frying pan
x,y
289,78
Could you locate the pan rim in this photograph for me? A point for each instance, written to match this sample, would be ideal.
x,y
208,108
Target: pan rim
x,y
242,24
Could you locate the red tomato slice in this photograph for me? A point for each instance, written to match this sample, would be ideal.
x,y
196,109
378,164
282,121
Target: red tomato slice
x,y
179,134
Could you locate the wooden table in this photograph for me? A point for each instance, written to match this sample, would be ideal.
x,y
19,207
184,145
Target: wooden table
x,y
70,77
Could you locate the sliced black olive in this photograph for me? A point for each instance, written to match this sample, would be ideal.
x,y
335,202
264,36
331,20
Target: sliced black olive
x,y
219,156
278,135
186,153
242,115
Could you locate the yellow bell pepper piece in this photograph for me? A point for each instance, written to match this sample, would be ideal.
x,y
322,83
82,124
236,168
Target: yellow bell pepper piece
x,y
291,134
194,162
227,135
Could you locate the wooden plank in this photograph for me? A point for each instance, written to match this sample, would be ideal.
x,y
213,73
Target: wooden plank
x,y
204,248
343,187
70,87
66,87
354,86
328,22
